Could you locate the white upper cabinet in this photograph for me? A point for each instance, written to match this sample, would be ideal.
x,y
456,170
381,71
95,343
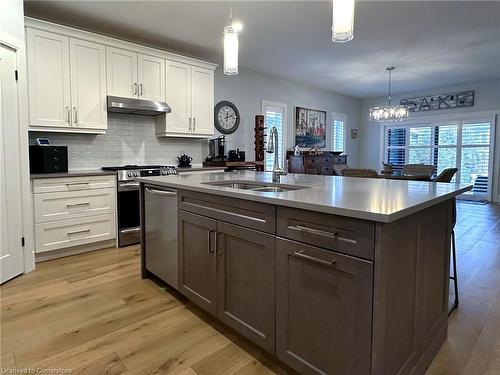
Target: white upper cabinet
x,y
122,73
190,95
202,100
88,84
151,78
48,79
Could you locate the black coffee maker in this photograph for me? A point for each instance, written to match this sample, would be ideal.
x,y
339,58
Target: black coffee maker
x,y
217,149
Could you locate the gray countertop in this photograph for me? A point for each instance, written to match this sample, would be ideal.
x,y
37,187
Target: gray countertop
x,y
364,198
75,173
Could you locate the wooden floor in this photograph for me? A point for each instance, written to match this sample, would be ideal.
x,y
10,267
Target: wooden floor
x,y
94,315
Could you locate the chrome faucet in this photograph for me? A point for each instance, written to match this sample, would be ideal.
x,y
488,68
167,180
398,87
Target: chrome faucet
x,y
272,146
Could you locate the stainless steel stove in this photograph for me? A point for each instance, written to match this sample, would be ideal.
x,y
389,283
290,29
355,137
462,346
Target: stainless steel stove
x,y
128,205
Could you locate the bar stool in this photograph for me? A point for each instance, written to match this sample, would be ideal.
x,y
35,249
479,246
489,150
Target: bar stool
x,y
454,259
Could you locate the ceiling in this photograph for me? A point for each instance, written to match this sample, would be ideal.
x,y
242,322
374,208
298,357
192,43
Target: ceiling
x,y
432,43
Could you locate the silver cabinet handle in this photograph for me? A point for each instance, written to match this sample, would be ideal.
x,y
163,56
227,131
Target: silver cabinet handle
x,y
135,89
67,114
190,120
140,89
300,254
131,230
161,192
78,204
323,233
210,250
79,231
194,123
77,183
75,112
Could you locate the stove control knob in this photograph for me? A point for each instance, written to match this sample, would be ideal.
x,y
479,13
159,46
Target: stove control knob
x,y
129,174
136,174
164,172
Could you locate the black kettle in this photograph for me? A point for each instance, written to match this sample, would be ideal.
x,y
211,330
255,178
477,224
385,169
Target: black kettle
x,y
184,161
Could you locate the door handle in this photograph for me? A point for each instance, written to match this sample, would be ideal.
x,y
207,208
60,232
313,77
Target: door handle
x,y
194,123
79,231
140,89
78,204
161,192
67,115
210,250
135,89
323,233
190,120
75,112
300,254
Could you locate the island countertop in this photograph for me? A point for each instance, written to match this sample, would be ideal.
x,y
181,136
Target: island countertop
x,y
378,200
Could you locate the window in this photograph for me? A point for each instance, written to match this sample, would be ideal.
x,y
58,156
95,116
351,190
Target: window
x,y
275,116
338,132
456,144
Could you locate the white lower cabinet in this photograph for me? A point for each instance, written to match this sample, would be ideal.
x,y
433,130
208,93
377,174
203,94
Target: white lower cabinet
x,y
73,211
55,235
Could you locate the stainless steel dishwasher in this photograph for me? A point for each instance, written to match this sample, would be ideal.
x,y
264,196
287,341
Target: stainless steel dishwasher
x,y
160,233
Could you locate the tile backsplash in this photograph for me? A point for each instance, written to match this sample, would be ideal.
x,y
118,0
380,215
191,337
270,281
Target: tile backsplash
x,y
130,139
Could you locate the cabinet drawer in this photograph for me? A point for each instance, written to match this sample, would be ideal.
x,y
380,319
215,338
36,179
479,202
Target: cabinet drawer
x,y
324,305
314,159
327,170
65,233
73,204
248,214
339,160
345,235
50,185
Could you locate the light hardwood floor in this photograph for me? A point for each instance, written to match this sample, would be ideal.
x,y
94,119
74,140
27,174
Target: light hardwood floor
x,y
93,314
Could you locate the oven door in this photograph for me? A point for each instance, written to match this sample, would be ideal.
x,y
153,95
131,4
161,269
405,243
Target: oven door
x,y
129,229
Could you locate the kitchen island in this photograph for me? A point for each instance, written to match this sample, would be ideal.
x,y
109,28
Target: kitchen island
x,y
332,275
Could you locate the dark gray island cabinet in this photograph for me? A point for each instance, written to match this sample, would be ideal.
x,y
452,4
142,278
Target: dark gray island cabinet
x,y
323,293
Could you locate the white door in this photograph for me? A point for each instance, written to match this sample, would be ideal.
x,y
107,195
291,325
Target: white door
x,y
178,97
11,250
202,100
151,78
122,72
88,84
48,78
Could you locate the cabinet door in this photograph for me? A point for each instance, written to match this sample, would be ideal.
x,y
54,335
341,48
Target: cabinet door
x,y
121,72
323,310
88,84
151,77
198,260
246,285
202,100
178,97
48,78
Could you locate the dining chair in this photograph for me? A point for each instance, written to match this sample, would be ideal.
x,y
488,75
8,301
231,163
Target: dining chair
x,y
446,175
418,169
359,172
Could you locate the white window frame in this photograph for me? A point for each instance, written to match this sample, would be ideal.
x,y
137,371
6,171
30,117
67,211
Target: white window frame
x,y
284,107
340,117
426,121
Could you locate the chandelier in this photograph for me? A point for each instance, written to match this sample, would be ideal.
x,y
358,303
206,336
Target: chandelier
x,y
389,112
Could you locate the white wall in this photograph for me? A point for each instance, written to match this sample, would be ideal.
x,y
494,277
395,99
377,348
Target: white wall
x,y
249,88
487,99
130,139
12,22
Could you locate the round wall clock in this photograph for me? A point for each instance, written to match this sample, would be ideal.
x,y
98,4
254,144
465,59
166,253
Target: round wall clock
x,y
227,117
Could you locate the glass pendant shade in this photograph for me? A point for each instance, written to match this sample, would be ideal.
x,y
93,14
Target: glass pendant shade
x,y
343,20
230,51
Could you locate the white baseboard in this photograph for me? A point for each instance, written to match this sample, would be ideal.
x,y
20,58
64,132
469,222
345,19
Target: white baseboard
x,y
54,254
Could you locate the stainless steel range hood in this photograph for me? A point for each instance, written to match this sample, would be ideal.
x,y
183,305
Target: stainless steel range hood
x,y
137,106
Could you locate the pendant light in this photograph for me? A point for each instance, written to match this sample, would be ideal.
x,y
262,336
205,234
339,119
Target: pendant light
x,y
231,45
342,20
389,112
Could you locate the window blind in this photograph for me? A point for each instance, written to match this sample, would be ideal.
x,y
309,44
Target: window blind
x,y
338,135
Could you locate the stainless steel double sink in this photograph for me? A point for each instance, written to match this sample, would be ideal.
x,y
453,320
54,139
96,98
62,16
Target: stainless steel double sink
x,y
262,187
